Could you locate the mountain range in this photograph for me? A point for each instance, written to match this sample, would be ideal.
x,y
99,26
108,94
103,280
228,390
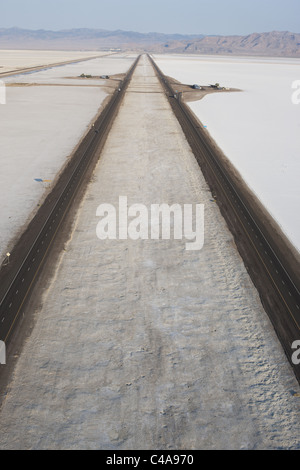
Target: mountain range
x,y
275,43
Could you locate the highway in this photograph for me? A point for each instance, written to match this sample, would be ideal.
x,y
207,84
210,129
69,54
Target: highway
x,y
276,281
30,253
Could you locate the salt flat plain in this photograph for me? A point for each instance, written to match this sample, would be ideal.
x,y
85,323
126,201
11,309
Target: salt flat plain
x,y
40,127
258,129
141,344
18,59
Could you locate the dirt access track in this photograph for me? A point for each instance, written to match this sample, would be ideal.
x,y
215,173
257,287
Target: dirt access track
x,y
193,94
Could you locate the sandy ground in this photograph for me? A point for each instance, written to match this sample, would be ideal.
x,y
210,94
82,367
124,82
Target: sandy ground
x,y
143,344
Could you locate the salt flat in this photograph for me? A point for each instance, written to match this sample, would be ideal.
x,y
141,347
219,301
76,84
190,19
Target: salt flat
x,y
40,127
141,344
258,129
18,59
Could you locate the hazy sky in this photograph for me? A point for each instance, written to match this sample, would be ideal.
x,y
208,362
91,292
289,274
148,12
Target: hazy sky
x,y
166,16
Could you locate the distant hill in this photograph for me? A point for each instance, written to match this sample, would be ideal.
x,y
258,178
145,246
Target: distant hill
x,y
276,43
